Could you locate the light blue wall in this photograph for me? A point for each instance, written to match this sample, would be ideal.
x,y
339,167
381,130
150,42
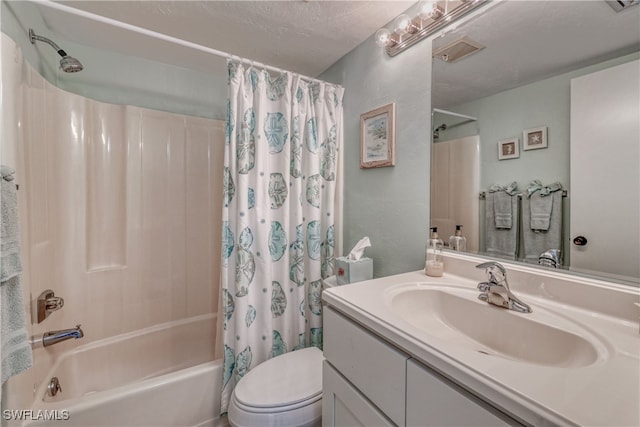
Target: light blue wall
x,y
391,204
115,78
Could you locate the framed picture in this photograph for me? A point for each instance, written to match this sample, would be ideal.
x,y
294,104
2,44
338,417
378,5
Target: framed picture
x,y
532,139
509,149
377,137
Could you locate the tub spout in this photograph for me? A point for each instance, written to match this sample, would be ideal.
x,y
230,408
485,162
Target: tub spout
x,y
54,337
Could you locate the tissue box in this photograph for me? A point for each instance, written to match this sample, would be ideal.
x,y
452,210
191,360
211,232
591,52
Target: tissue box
x,y
350,271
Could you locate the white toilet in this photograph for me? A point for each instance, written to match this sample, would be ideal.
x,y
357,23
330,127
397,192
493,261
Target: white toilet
x,y
283,391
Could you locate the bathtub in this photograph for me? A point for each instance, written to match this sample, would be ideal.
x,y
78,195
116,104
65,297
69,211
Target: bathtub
x,y
159,376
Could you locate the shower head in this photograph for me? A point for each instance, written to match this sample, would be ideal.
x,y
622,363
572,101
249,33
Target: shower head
x,y
68,64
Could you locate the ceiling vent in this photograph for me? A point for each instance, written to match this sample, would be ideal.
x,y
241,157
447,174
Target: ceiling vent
x,y
619,5
457,49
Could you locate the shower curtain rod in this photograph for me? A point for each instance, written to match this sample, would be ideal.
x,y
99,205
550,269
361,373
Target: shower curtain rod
x,y
123,25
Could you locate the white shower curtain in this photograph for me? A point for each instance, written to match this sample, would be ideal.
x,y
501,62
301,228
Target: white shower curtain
x,y
284,134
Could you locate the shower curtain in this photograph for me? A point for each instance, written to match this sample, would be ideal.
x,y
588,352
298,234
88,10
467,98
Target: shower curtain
x,y
283,135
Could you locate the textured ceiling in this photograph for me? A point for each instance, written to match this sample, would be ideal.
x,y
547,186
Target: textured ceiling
x,y
525,40
302,36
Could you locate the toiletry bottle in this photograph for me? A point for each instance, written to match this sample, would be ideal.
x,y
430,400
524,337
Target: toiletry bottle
x,y
434,263
458,242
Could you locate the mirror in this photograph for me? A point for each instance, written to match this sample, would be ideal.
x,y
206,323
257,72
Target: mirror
x,y
519,80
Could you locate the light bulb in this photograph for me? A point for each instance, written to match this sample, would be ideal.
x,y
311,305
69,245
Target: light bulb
x,y
424,9
402,24
436,12
383,37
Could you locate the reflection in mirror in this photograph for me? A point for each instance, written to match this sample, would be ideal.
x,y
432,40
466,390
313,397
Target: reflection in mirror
x,y
528,77
455,180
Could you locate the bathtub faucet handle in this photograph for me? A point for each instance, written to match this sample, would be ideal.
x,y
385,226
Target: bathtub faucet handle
x,y
47,303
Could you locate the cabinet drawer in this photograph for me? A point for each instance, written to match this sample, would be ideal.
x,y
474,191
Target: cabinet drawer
x,y
373,366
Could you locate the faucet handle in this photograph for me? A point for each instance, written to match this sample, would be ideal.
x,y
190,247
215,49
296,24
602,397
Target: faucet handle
x,y
490,264
495,271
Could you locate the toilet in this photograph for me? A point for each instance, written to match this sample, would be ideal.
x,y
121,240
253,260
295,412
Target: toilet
x,y
283,391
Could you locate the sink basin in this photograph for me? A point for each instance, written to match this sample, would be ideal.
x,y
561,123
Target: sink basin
x,y
454,314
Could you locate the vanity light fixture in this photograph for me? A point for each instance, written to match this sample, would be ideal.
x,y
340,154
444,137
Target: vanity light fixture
x,y
431,16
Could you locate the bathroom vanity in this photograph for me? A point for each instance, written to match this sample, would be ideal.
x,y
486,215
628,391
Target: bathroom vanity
x,y
415,350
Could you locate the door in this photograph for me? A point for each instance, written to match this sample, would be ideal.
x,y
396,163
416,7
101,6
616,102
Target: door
x,y
605,177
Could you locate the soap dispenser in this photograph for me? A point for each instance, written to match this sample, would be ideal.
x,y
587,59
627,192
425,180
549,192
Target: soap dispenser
x,y
458,242
434,263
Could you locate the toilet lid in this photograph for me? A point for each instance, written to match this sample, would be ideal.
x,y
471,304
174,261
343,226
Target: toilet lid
x,y
283,380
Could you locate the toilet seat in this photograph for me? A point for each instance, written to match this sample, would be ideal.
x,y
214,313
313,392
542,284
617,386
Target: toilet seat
x,y
287,387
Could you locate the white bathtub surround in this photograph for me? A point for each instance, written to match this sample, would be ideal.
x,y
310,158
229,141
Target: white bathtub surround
x,y
284,134
575,360
120,214
163,375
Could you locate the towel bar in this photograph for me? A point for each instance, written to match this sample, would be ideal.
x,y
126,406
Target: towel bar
x,y
483,194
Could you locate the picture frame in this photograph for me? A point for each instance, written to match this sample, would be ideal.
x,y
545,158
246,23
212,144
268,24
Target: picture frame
x,y
509,149
533,139
377,137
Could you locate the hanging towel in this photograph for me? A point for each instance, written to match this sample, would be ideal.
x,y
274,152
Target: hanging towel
x,y
536,185
540,208
537,241
503,213
540,204
15,350
501,242
10,263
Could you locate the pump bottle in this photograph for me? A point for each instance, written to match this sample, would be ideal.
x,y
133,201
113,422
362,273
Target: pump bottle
x,y
458,242
434,263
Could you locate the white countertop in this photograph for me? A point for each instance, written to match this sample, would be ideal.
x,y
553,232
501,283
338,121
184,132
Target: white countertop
x,y
604,393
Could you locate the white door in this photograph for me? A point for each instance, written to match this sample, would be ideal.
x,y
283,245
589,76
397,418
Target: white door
x,y
605,177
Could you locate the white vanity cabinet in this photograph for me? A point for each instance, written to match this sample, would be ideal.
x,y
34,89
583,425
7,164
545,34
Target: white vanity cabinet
x,y
368,382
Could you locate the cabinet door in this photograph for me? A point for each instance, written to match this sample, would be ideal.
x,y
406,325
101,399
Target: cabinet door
x,y
434,401
343,405
374,367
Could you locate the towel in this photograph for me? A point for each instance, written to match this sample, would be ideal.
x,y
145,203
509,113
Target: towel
x,y
501,242
503,213
15,350
540,204
540,208
537,241
10,263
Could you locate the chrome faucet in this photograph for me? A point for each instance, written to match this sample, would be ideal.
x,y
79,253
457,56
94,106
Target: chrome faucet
x,y
54,337
496,290
550,258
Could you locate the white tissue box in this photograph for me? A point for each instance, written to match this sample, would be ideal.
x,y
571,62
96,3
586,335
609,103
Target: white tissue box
x,y
350,271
